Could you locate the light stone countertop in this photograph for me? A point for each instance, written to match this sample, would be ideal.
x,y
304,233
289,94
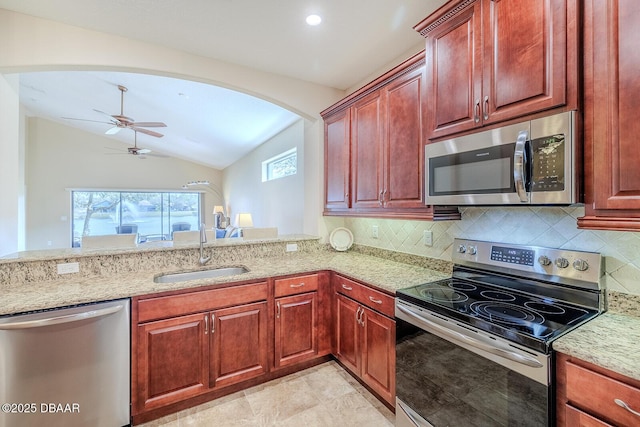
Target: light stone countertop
x,y
611,340
384,274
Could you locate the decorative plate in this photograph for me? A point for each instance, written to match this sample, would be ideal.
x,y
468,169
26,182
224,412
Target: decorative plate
x,y
341,239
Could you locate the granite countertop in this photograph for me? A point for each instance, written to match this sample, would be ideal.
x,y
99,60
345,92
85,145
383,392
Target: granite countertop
x,y
384,274
611,340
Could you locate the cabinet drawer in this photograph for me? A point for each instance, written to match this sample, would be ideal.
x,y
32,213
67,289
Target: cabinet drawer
x,y
576,417
365,295
595,393
296,285
192,302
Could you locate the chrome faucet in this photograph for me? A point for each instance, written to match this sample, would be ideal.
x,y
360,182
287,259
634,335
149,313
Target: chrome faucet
x,y
203,239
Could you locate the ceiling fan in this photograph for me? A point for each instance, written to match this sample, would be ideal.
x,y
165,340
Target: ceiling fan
x,y
135,150
120,121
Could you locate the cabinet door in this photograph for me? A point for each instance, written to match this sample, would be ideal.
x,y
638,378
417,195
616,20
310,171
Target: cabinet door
x,y
379,354
366,150
525,65
172,361
239,347
347,346
296,328
404,145
612,60
336,160
454,73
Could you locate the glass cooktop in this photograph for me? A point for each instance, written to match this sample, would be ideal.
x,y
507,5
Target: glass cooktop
x,y
530,320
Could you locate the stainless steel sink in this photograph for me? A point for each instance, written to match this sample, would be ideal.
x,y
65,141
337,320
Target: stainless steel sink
x,y
200,274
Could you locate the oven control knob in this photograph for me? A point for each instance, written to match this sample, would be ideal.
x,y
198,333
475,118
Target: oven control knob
x,y
462,249
562,262
472,250
580,265
544,260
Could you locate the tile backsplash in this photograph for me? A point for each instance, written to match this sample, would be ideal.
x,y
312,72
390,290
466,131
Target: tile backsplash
x,y
542,226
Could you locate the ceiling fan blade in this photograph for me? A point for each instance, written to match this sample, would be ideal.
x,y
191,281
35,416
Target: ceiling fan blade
x,y
147,132
85,120
150,124
102,112
113,130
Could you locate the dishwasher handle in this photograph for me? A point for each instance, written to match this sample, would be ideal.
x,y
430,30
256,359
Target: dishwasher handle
x,y
55,320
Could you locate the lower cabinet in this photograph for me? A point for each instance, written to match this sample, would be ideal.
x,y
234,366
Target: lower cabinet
x,y
238,344
591,396
365,338
296,337
179,356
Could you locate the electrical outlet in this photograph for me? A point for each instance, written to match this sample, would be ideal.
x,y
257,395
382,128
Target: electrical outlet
x,y
69,267
374,231
427,238
292,247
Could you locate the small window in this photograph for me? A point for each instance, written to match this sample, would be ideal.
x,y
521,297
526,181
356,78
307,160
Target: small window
x,y
279,166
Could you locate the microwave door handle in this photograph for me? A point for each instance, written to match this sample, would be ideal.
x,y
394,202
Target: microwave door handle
x,y
519,165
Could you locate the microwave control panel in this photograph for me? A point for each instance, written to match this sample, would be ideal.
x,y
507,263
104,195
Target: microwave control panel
x,y
547,165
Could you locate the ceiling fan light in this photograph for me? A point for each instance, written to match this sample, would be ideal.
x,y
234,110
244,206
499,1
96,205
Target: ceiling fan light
x,y
313,20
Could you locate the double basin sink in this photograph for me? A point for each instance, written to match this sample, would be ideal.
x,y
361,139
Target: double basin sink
x,y
200,274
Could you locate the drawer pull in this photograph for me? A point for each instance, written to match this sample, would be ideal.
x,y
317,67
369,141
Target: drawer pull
x,y
348,288
278,310
627,407
213,323
377,301
206,325
296,285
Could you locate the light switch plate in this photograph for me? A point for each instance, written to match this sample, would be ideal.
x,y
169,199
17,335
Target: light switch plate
x,y
428,238
374,231
292,247
69,267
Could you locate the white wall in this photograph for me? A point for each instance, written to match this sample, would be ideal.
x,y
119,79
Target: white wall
x,y
277,203
11,175
61,157
29,44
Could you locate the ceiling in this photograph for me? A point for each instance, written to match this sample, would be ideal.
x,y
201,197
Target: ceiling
x,y
355,38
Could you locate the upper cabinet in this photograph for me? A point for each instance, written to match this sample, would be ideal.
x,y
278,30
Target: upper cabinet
x,y
374,149
490,61
611,102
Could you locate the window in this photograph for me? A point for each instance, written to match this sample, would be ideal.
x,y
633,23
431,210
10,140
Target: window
x,y
282,165
152,215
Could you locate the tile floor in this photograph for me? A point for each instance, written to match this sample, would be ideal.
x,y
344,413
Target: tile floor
x,y
322,396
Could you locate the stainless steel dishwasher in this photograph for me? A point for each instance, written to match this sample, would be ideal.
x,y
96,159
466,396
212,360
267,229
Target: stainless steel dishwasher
x,y
66,367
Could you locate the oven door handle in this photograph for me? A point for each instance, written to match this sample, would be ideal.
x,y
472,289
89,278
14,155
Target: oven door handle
x,y
478,342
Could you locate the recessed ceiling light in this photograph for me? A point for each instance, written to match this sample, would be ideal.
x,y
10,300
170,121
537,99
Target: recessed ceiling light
x,y
314,20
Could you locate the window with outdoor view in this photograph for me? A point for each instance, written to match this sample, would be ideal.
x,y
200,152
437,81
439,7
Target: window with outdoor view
x,y
150,215
279,166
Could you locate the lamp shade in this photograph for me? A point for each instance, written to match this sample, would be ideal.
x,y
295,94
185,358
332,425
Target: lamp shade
x,y
218,209
244,220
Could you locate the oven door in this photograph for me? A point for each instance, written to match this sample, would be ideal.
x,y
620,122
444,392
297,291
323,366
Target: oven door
x,y
448,374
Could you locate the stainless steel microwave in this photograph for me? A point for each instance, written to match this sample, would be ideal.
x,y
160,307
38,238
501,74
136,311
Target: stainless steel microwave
x,y
528,163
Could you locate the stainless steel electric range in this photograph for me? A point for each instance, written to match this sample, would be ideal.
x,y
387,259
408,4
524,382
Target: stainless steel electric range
x,y
477,349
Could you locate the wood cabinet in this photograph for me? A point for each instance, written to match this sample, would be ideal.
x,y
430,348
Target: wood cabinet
x,y
491,61
378,131
191,343
238,344
588,395
336,160
296,319
611,85
365,338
